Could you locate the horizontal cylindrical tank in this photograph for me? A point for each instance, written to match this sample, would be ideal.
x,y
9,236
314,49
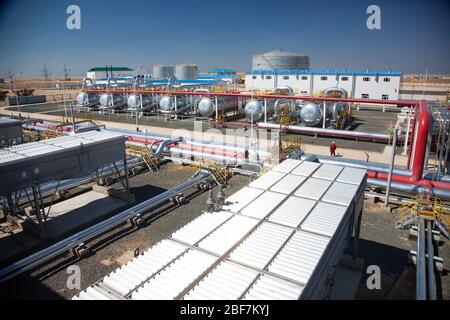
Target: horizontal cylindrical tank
x,y
280,60
134,101
111,100
206,106
312,113
186,71
335,108
161,71
254,109
167,103
84,98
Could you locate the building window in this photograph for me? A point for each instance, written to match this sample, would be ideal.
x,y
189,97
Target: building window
x,y
366,79
323,78
304,78
268,77
387,79
285,77
365,95
344,78
385,97
304,92
254,77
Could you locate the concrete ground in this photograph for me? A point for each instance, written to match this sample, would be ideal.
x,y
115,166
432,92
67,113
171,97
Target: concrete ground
x,y
380,245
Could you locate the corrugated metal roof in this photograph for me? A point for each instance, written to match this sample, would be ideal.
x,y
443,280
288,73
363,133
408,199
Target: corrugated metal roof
x,y
143,266
288,184
170,267
313,188
267,180
340,193
306,168
273,288
263,205
324,219
328,72
299,257
327,172
95,293
228,281
292,212
287,165
352,176
177,276
228,234
240,199
197,229
260,247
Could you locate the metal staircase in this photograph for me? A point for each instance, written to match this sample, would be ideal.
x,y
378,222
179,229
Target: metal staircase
x,y
220,173
426,207
146,154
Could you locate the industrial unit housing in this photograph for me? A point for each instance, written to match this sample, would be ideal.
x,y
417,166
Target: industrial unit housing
x,y
365,84
279,238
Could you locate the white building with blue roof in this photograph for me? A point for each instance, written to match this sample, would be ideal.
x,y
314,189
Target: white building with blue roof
x,y
365,84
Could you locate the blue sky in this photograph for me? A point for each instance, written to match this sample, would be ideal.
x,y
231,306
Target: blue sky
x,y
414,35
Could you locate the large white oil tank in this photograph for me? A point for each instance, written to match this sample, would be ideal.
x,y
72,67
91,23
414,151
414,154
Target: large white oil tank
x,y
163,71
186,71
280,60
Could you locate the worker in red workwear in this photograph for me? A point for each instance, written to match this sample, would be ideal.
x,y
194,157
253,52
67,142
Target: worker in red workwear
x,y
333,148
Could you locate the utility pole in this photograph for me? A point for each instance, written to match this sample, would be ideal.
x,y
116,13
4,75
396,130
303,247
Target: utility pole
x,y
46,74
66,73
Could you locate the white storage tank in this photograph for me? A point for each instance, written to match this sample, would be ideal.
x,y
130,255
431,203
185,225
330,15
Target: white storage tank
x,y
186,71
161,71
280,60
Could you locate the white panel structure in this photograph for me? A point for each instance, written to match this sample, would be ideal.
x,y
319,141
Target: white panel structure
x,y
327,172
267,180
370,84
260,247
266,245
324,219
273,288
177,276
228,281
143,266
227,235
298,259
292,212
287,166
263,205
306,168
313,188
340,193
240,199
200,227
288,184
95,293
352,176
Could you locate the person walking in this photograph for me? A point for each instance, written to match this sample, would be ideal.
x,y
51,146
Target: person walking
x,y
333,148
